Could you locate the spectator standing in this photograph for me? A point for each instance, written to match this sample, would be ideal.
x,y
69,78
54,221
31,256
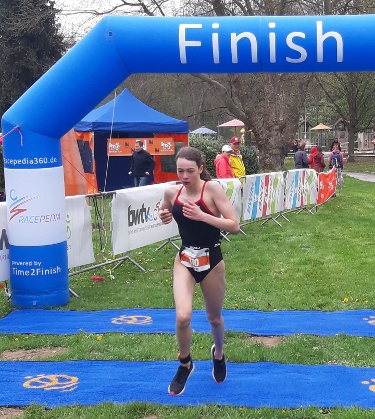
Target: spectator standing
x,y
336,158
318,160
235,159
336,143
222,164
311,157
142,165
301,160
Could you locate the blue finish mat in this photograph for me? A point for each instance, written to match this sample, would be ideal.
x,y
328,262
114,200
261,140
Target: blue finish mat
x,y
252,385
142,320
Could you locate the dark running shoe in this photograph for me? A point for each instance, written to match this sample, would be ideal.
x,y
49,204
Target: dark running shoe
x,y
219,371
178,383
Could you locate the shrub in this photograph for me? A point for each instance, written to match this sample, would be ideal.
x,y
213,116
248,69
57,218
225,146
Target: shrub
x,y
211,147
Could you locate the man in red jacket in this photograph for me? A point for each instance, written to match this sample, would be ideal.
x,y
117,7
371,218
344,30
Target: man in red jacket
x,y
222,165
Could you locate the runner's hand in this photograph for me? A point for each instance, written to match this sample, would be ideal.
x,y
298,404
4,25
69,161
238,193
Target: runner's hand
x,y
165,216
192,211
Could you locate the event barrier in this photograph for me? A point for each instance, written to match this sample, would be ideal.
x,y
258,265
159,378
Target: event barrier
x,y
263,196
133,220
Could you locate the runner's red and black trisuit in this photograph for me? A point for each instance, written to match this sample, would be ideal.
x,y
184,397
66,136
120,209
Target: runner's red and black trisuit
x,y
197,237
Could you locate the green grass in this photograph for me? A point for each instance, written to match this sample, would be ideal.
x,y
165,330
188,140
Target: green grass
x,y
316,262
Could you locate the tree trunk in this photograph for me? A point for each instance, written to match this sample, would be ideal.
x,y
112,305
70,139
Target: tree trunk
x,y
351,138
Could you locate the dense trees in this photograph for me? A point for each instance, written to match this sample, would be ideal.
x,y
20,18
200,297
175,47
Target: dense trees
x,y
30,43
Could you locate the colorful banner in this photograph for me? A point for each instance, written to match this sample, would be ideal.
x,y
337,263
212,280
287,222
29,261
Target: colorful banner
x,y
155,146
263,195
79,231
275,201
135,218
311,185
326,186
294,191
232,188
301,188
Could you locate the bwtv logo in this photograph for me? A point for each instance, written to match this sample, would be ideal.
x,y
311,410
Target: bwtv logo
x,y
138,215
143,215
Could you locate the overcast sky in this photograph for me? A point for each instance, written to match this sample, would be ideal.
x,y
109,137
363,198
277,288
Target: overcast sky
x,y
73,19
76,22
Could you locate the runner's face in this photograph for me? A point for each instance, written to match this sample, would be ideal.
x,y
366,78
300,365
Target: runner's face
x,y
188,172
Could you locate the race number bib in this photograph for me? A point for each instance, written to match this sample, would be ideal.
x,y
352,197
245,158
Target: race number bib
x,y
197,259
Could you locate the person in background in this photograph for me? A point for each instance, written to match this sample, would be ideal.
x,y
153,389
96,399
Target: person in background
x,y
294,146
311,157
335,143
301,161
222,164
142,165
336,158
318,160
202,210
235,159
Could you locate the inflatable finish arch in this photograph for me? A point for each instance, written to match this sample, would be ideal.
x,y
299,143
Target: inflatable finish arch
x,y
116,48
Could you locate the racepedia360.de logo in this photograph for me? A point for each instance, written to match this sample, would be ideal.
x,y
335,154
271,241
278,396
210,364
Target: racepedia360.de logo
x,y
17,206
23,214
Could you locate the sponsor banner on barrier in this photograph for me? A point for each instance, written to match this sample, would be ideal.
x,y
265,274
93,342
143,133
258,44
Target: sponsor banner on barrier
x,y
327,186
276,195
294,189
4,244
250,197
272,193
301,188
78,231
135,218
263,195
36,206
232,188
311,185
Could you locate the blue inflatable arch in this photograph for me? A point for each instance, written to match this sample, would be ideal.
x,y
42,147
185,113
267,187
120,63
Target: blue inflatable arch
x,y
116,48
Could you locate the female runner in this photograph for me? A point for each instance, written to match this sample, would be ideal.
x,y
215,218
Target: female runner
x,y
201,210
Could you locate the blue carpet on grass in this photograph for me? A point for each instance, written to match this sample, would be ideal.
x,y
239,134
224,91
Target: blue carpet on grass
x,y
253,385
142,320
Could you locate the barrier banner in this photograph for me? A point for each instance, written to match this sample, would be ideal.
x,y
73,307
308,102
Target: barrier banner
x,y
326,186
135,218
4,244
232,188
79,231
311,185
275,201
263,195
250,197
295,194
301,188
